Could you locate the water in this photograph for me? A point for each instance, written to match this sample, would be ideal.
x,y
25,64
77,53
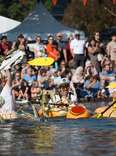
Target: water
x,y
59,137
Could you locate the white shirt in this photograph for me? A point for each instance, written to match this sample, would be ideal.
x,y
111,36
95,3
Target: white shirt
x,y
38,47
77,46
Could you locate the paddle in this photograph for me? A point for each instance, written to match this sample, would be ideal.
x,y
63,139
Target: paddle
x,y
35,112
59,104
1,120
101,114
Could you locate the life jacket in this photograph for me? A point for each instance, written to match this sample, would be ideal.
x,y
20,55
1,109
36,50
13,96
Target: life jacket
x,y
52,52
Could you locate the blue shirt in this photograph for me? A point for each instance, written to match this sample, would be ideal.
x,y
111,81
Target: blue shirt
x,y
29,78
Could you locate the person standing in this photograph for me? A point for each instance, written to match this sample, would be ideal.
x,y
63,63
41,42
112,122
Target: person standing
x,y
52,51
39,50
111,50
61,47
111,112
5,46
77,50
7,109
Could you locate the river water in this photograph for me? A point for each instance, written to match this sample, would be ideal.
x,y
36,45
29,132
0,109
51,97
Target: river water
x,y
58,137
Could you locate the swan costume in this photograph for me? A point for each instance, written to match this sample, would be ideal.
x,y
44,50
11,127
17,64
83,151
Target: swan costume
x,y
7,111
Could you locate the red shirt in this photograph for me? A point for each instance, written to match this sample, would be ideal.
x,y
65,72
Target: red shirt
x,y
5,47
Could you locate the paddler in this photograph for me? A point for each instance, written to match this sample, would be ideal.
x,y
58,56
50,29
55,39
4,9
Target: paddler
x,y
111,112
7,104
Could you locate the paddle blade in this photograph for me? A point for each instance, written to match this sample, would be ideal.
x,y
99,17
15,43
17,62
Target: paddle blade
x,y
99,116
41,61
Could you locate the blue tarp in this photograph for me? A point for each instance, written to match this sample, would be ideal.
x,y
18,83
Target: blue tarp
x,y
39,21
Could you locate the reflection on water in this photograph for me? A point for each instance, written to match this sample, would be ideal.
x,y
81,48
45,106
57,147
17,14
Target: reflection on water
x,y
44,139
59,137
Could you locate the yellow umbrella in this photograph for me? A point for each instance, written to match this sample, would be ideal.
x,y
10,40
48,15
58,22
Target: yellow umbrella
x,y
41,61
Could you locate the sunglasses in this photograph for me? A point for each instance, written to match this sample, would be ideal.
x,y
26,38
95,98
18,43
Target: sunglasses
x,y
50,38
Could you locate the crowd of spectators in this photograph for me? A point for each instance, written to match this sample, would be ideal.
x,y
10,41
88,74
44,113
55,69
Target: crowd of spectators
x,y
81,70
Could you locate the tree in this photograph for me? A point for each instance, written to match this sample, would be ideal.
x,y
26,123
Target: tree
x,y
93,17
16,9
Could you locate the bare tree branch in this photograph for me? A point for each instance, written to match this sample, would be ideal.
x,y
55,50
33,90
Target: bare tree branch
x,y
110,11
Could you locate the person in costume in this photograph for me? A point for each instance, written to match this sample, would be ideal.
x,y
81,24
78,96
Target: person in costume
x,y
111,112
7,104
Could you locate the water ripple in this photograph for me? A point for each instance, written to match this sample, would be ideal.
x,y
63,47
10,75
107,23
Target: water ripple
x,y
59,137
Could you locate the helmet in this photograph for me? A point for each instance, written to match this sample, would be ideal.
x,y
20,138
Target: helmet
x,y
112,85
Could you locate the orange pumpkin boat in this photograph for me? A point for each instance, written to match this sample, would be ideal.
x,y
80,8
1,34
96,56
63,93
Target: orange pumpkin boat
x,y
52,113
77,112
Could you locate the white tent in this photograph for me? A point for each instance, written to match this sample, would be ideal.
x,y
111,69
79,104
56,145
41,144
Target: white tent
x,y
7,24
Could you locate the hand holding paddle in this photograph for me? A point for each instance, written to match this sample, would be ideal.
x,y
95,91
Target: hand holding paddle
x,y
101,114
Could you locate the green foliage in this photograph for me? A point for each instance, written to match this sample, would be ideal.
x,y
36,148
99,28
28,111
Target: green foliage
x,y
16,9
93,17
19,9
48,4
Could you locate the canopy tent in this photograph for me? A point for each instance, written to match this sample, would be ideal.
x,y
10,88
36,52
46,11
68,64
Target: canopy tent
x,y
40,21
7,24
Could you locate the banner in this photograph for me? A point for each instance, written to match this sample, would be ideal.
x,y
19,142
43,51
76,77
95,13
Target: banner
x,y
114,1
54,2
85,2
